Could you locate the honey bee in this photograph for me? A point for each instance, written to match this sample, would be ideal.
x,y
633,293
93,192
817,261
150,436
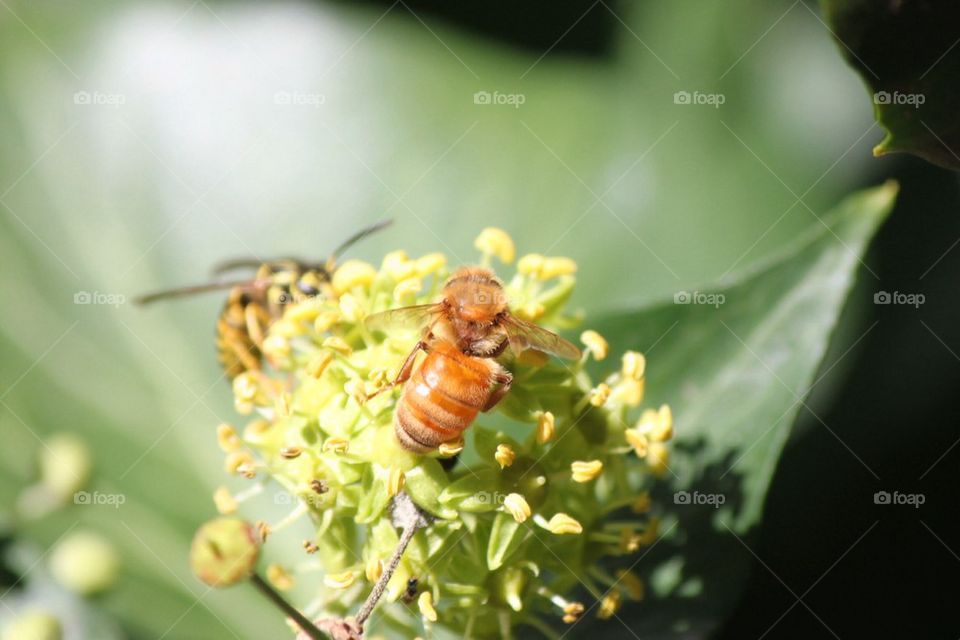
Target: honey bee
x,y
462,335
255,302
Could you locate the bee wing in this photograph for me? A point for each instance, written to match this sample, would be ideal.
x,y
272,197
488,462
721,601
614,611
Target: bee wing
x,y
526,335
413,317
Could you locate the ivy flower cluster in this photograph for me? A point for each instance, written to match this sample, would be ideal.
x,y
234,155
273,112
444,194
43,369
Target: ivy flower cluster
x,y
529,515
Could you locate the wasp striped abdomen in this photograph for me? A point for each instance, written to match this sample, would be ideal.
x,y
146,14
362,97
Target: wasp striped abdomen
x,y
442,398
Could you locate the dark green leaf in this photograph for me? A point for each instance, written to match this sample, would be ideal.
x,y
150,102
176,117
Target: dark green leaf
x,y
907,55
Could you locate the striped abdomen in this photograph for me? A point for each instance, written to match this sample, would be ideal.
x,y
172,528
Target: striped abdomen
x,y
441,398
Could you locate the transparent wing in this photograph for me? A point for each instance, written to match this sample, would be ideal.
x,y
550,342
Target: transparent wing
x,y
413,317
526,335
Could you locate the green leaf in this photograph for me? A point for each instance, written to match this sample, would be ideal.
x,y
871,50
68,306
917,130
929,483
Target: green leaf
x,y
505,537
474,492
424,483
906,53
735,376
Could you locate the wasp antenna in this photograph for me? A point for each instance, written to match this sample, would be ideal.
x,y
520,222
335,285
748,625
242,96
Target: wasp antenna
x,y
237,263
182,292
360,235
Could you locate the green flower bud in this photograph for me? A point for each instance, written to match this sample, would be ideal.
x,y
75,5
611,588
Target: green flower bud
x,y
65,465
33,625
224,551
85,563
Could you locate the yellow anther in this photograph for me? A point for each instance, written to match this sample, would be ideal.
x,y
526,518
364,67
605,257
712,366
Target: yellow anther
x,y
353,273
277,349
554,267
600,394
373,569
585,471
430,263
629,391
531,310
658,457
596,344
609,605
256,428
546,428
245,387
285,327
656,425
224,501
318,364
279,577
633,365
336,445
351,309
572,612
425,604
632,583
306,311
325,320
516,505
450,449
504,455
282,405
338,344
340,580
237,459
638,441
563,524
407,290
496,242
630,541
530,265
227,438
395,481
398,266
290,453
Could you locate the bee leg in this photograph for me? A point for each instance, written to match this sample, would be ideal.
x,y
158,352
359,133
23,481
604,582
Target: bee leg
x,y
404,374
504,379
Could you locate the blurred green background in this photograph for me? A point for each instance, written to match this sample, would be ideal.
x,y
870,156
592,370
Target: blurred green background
x,y
144,142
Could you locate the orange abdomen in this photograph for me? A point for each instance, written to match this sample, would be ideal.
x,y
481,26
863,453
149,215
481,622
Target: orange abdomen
x,y
441,398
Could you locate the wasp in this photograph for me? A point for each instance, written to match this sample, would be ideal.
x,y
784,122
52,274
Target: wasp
x,y
463,335
254,303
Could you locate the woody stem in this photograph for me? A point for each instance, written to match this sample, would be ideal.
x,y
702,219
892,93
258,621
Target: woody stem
x,y
308,627
411,519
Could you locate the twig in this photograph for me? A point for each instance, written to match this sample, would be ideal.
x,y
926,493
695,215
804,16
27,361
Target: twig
x,y
407,515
